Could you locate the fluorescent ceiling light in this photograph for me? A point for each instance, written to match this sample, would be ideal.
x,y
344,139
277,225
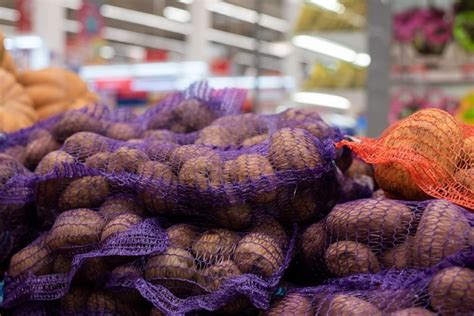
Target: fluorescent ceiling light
x,y
248,15
325,47
322,99
186,1
8,14
176,14
331,5
107,52
142,18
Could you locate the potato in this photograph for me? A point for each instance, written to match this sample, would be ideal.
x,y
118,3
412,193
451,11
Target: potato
x,y
370,221
159,187
54,162
48,192
215,245
84,144
93,269
293,149
242,126
33,258
193,115
217,136
186,152
18,152
173,263
379,194
75,301
160,135
299,207
252,170
234,217
73,122
252,141
161,151
313,244
214,276
291,304
122,131
399,257
345,258
344,304
90,191
300,114
360,168
202,173
443,230
38,148
182,235
431,133
317,128
465,177
126,160
466,158
118,224
75,228
413,311
270,227
103,303
452,291
120,204
98,161
259,254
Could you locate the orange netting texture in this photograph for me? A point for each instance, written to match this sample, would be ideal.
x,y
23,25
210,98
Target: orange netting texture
x,y
428,154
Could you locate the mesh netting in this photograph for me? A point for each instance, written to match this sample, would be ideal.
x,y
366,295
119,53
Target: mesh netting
x,y
427,154
376,234
447,288
184,268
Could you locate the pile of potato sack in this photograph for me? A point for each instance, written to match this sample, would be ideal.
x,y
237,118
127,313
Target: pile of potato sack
x,y
194,208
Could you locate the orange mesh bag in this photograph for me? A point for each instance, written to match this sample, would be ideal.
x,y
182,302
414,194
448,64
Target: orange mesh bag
x,y
428,154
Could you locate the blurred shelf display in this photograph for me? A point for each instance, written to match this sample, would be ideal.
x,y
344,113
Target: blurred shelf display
x,y
434,77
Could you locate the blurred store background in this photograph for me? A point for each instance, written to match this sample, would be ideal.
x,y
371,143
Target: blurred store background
x,y
363,64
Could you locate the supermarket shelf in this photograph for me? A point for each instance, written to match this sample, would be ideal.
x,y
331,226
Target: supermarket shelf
x,y
356,40
434,77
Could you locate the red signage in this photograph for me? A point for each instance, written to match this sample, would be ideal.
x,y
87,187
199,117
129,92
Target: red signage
x,y
24,22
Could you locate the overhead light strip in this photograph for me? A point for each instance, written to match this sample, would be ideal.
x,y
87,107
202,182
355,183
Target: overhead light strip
x,y
322,99
332,49
248,15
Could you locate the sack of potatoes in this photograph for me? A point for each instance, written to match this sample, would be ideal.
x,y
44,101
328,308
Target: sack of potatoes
x,y
445,289
376,234
193,109
429,154
81,249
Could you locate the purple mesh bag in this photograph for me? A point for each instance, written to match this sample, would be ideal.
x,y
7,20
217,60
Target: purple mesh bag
x,y
225,291
290,176
249,265
377,234
36,283
446,288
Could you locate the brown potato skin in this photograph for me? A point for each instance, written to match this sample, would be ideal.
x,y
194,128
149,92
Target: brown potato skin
x,y
34,258
399,257
292,304
213,277
443,230
345,305
452,291
182,235
75,228
313,244
258,253
413,311
344,258
215,245
173,263
90,191
370,221
120,223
